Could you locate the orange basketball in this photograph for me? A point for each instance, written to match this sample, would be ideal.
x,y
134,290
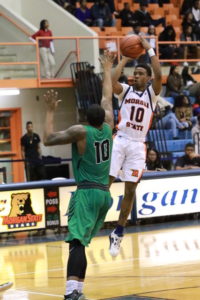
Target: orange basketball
x,y
131,46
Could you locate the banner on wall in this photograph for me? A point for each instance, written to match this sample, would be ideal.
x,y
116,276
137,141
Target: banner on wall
x,y
117,191
51,195
168,196
22,210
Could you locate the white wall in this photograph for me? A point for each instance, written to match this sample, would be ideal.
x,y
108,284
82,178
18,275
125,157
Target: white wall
x,y
34,110
14,5
62,23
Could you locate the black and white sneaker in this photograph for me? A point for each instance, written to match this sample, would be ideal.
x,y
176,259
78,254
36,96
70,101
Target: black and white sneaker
x,y
5,286
115,241
75,295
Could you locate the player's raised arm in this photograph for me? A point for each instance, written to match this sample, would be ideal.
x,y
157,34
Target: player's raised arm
x,y
157,80
106,101
117,87
70,135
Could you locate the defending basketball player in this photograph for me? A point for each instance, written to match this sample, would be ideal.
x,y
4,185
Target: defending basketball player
x,y
91,154
137,104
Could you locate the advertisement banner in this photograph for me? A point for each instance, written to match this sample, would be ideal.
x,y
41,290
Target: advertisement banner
x,y
117,191
22,210
168,196
51,195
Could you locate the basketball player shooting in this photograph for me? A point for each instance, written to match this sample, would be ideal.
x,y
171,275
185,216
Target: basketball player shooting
x,y
137,103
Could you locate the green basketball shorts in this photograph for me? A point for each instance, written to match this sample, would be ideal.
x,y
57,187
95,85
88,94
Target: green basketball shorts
x,y
86,214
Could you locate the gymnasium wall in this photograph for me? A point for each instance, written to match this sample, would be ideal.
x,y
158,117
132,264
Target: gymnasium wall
x,y
62,24
33,109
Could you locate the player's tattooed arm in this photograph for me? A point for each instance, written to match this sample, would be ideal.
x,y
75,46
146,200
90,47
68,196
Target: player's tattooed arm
x,y
106,102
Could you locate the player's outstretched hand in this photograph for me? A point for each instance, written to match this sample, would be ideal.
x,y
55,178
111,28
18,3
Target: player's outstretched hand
x,y
51,99
127,59
144,43
107,59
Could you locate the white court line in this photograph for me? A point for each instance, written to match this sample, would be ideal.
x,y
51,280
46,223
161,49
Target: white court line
x,y
40,293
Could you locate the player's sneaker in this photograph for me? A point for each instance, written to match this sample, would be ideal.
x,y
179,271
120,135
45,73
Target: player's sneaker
x,y
5,286
75,295
115,241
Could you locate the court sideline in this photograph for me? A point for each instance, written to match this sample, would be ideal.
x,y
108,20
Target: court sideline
x,y
156,264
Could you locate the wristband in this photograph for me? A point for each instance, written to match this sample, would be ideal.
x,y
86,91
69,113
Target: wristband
x,y
151,52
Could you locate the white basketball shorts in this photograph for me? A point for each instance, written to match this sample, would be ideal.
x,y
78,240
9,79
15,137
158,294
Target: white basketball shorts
x,y
128,159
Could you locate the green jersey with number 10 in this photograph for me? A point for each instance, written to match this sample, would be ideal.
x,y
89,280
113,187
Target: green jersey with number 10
x,y
94,164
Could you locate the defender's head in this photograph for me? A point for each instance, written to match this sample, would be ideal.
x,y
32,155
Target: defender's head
x,y
95,115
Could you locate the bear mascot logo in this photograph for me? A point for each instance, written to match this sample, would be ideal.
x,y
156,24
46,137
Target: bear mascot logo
x,y
21,205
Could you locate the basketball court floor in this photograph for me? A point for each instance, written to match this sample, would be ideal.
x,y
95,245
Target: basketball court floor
x,y
156,263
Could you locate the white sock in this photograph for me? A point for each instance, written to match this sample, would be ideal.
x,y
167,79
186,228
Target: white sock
x,y
80,286
71,285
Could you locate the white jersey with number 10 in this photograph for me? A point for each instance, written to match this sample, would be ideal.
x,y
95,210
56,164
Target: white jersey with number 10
x,y
136,112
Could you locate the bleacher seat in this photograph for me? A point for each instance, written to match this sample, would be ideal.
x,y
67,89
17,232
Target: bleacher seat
x,y
176,22
167,134
185,134
159,29
126,30
157,11
174,145
160,134
153,7
178,154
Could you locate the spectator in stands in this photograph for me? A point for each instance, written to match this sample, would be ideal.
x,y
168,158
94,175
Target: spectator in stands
x,y
137,30
46,49
186,75
196,69
196,135
60,2
190,160
191,85
153,161
174,86
31,153
163,107
111,4
196,17
183,111
83,13
169,51
188,20
189,50
170,121
101,14
152,32
186,5
69,6
126,15
143,18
